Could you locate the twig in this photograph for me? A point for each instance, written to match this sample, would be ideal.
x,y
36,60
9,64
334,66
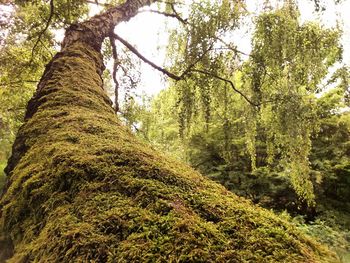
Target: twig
x,y
189,68
132,81
95,2
177,14
178,17
234,49
170,3
52,7
114,74
227,81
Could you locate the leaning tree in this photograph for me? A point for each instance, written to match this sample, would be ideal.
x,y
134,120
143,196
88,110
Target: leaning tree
x,y
82,188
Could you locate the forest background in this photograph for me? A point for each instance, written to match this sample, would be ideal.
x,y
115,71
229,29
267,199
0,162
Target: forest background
x,y
269,120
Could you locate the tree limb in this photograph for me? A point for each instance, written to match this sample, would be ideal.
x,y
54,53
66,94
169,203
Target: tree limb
x,y
137,53
173,15
177,14
186,72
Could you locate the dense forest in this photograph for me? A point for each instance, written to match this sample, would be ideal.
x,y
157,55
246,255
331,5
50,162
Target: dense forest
x,y
243,156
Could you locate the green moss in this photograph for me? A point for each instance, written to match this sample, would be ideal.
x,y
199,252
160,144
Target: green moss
x,y
84,189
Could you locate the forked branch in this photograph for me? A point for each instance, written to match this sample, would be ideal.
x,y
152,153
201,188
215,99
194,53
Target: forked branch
x,y
190,68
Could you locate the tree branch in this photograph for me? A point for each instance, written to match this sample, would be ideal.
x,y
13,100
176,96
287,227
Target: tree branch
x,y
189,68
186,72
95,2
52,7
232,48
114,73
137,53
177,16
227,81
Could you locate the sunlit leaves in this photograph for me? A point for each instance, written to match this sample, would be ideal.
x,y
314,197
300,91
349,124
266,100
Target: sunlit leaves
x,y
287,67
289,60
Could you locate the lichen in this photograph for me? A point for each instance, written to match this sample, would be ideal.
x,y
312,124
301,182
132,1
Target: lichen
x,y
84,189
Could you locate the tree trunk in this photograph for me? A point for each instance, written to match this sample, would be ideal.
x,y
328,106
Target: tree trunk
x,y
82,188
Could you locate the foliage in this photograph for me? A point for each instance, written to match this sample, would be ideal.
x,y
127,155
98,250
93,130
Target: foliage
x,y
286,67
84,188
283,74
337,239
27,47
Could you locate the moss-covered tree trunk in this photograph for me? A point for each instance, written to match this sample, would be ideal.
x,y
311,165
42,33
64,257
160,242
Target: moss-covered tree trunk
x,y
82,188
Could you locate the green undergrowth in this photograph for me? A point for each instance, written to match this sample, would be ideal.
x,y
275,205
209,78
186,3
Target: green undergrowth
x,y
84,189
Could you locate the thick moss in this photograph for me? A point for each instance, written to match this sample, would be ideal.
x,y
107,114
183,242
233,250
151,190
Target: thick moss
x,y
84,189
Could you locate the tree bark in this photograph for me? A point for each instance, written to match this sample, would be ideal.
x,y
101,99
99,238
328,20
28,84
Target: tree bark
x,y
82,188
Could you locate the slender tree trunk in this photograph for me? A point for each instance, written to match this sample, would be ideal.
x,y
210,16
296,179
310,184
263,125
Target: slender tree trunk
x,y
82,188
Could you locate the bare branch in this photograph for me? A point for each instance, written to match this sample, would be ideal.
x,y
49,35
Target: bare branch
x,y
137,53
173,15
176,13
189,69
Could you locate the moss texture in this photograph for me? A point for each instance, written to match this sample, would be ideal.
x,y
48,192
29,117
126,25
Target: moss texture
x,y
83,189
